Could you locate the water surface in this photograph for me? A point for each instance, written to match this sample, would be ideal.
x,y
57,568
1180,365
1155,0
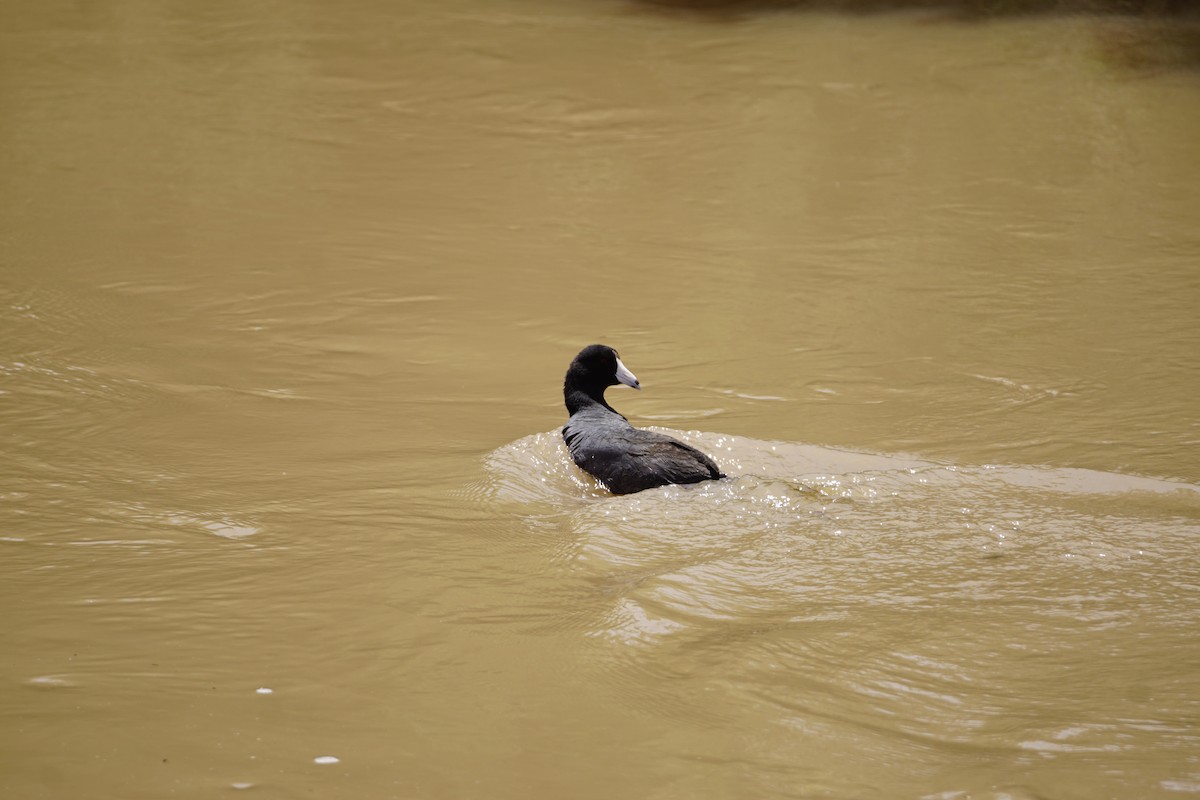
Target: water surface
x,y
286,298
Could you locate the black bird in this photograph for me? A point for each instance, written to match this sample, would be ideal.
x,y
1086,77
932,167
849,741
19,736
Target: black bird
x,y
604,444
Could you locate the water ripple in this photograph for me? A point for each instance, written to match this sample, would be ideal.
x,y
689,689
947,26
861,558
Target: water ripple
x,y
898,600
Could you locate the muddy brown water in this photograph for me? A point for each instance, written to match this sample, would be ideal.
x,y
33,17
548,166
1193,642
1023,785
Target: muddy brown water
x,y
286,296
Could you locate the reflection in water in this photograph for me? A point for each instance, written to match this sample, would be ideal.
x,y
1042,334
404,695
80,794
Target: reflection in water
x,y
276,284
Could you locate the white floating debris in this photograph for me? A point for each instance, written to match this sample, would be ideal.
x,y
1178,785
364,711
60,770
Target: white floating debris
x,y
326,760
264,690
51,681
242,785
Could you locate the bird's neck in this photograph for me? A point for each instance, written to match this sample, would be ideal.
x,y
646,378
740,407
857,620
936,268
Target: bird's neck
x,y
578,399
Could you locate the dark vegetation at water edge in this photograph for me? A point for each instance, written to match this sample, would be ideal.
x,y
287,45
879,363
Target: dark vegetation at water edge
x,y
1138,35
958,8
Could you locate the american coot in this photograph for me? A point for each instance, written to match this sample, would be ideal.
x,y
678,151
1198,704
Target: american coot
x,y
604,444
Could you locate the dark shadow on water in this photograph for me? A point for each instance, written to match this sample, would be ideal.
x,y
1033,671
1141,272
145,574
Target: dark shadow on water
x,y
1138,35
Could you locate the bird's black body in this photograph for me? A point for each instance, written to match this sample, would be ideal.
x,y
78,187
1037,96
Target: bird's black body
x,y
604,444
